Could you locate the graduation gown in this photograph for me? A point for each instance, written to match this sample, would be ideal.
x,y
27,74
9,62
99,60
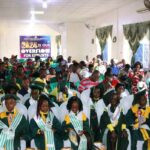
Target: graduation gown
x,y
30,102
113,120
138,119
39,138
94,111
33,109
22,130
130,100
87,132
63,107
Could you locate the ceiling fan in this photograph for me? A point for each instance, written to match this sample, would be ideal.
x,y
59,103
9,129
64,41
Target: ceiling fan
x,y
147,5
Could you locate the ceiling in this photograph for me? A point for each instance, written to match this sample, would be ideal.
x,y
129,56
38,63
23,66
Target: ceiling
x,y
58,11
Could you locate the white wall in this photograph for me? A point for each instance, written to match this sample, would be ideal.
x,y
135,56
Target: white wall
x,y
11,31
124,15
75,40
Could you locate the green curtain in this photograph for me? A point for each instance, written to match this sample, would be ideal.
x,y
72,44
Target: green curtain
x,y
134,33
58,42
102,35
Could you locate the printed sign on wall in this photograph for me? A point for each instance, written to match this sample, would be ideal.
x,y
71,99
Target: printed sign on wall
x,y
31,46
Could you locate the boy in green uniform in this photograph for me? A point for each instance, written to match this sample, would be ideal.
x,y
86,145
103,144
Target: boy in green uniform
x,y
13,125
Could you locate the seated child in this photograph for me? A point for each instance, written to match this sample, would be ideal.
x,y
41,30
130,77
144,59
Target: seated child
x,y
113,126
76,126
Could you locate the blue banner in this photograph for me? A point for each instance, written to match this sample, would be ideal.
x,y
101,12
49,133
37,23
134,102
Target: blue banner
x,y
31,46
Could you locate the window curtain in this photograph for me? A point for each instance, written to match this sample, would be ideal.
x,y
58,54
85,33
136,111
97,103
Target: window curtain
x,y
102,35
58,42
134,33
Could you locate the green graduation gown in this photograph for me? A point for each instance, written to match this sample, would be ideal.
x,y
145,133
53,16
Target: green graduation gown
x,y
88,133
139,132
22,130
118,125
39,139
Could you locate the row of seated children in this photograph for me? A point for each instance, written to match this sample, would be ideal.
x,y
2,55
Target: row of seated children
x,y
84,123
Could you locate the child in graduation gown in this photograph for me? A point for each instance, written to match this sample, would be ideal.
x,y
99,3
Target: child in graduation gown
x,y
138,118
45,128
36,89
95,106
76,126
13,125
113,127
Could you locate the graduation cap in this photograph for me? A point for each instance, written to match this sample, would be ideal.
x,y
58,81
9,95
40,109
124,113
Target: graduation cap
x,y
107,96
138,95
10,96
11,86
119,85
37,85
44,96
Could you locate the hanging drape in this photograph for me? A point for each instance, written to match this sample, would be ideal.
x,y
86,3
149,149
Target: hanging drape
x,y
103,34
58,42
134,33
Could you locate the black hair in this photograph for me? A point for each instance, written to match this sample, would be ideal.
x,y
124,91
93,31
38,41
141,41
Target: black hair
x,y
119,85
75,62
72,100
59,59
137,63
82,63
42,69
127,66
95,72
109,70
9,87
37,58
43,98
1,63
20,66
69,58
97,87
108,74
112,95
90,66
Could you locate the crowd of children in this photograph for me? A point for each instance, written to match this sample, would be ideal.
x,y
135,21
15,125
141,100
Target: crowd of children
x,y
87,105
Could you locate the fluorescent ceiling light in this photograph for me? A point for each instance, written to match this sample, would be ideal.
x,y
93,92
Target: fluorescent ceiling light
x,y
37,12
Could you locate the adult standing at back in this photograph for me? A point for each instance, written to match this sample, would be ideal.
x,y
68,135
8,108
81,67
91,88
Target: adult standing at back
x,y
135,76
115,69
